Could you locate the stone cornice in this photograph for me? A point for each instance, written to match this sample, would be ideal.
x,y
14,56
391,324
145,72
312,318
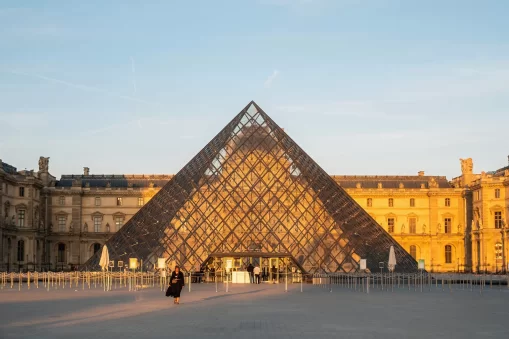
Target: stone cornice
x,y
20,206
480,185
22,180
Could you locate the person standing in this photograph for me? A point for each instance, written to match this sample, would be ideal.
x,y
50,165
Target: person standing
x,y
256,272
273,272
176,284
250,270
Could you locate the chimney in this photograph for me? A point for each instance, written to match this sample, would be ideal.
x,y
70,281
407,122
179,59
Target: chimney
x,y
421,173
86,171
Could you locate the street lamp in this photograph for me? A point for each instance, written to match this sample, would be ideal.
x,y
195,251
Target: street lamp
x,y
502,232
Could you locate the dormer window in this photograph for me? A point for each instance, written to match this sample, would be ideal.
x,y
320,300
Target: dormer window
x,y
447,202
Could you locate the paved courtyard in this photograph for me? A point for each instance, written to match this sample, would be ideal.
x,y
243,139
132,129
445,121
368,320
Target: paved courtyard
x,y
253,311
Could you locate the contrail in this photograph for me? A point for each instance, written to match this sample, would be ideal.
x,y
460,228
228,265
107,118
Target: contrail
x,y
83,87
134,74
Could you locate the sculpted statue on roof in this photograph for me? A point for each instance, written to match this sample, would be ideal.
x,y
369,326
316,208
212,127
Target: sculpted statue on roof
x,y
43,164
467,166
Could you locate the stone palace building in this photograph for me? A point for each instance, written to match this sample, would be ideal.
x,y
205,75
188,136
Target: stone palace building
x,y
454,225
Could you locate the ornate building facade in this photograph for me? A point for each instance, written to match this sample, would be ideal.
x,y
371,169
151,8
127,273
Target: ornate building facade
x,y
457,225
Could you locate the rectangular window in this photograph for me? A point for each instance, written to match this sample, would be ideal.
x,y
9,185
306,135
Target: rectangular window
x,y
21,218
119,222
21,250
61,224
498,219
97,201
448,254
447,202
497,193
61,253
22,191
412,202
370,202
413,251
140,202
97,224
390,225
119,201
61,200
391,202
447,225
413,225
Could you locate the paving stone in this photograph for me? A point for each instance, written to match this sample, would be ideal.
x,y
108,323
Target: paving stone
x,y
253,311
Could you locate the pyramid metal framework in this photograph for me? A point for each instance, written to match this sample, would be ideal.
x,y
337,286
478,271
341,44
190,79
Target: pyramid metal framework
x,y
253,189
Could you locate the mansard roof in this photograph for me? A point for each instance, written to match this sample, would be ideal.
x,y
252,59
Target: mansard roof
x,y
8,168
390,181
115,180
345,181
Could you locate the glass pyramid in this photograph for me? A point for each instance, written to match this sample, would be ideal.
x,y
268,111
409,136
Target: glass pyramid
x,y
252,189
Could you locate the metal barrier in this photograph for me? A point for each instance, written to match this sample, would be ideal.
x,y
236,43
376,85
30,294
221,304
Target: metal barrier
x,y
359,282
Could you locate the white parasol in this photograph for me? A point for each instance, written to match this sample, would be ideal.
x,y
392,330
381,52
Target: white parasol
x,y
105,258
392,259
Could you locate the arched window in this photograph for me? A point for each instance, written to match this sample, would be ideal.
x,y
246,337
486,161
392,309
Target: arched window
x,y
21,250
448,254
97,247
61,253
413,251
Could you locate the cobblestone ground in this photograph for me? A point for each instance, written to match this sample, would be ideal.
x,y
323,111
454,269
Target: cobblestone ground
x,y
253,311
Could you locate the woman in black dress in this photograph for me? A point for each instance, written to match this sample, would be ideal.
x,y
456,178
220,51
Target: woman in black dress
x,y
176,284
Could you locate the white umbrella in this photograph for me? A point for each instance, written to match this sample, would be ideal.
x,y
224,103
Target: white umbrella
x,y
105,258
392,259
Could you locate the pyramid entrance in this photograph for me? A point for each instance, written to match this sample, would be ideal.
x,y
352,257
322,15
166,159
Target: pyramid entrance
x,y
252,192
273,266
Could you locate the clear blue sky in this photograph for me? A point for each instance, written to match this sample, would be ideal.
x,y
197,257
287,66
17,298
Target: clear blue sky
x,y
364,86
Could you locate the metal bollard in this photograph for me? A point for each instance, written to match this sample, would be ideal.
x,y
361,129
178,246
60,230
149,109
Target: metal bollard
x,y
286,282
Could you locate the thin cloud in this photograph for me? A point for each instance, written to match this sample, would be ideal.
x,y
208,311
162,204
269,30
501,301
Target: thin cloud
x,y
271,78
84,87
366,109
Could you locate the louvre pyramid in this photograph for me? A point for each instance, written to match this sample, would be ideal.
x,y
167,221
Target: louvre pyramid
x,y
253,189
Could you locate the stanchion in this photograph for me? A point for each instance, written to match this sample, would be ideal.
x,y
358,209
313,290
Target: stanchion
x,y
226,276
286,282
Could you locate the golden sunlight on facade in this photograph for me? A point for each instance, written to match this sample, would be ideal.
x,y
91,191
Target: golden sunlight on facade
x,y
457,225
